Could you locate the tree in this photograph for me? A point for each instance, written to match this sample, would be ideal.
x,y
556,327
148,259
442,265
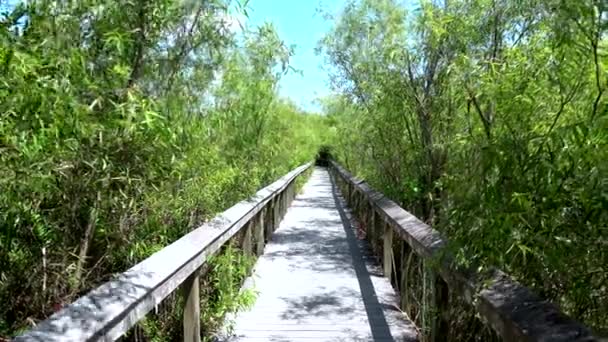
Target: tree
x,y
487,119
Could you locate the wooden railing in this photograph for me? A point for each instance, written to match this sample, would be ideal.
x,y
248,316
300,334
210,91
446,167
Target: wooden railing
x,y
107,312
513,311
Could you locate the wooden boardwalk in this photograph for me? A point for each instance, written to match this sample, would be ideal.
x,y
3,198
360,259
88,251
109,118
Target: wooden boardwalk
x,y
316,281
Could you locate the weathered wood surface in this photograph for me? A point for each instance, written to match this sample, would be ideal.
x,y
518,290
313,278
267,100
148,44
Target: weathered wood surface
x,y
192,309
108,311
318,282
513,310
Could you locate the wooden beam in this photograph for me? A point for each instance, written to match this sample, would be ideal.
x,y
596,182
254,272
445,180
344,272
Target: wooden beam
x,y
387,259
192,309
259,233
371,231
277,215
247,244
268,222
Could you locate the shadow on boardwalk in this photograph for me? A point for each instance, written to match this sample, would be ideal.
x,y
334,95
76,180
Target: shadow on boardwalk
x,y
318,282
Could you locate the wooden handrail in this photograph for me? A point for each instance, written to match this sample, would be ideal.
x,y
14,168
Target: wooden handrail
x,y
513,310
107,312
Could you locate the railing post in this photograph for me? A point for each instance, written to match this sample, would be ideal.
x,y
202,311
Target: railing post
x,y
403,283
280,204
364,212
397,267
349,196
268,224
259,233
192,309
247,243
288,196
369,218
371,230
378,233
285,201
360,205
435,301
279,208
442,326
388,251
276,215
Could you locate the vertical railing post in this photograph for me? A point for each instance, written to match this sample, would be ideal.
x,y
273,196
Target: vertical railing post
x,y
397,269
405,268
360,205
388,251
247,237
192,309
369,217
435,305
442,326
287,194
283,201
363,213
378,232
371,230
281,204
259,232
276,214
268,221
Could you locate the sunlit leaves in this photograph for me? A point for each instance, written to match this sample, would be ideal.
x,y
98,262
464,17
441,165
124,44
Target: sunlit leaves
x,y
492,113
132,121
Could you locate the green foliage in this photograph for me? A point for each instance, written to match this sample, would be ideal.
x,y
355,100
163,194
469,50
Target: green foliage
x,y
220,293
228,271
124,125
487,119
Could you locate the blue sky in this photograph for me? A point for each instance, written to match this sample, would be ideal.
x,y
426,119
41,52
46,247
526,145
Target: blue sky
x,y
299,22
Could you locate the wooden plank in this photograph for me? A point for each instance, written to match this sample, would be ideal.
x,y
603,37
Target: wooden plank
x,y
513,310
108,311
192,309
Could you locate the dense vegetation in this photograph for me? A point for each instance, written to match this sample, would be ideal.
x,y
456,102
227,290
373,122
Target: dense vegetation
x,y
123,125
487,119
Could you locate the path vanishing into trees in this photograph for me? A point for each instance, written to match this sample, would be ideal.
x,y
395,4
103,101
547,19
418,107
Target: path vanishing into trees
x,y
450,183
